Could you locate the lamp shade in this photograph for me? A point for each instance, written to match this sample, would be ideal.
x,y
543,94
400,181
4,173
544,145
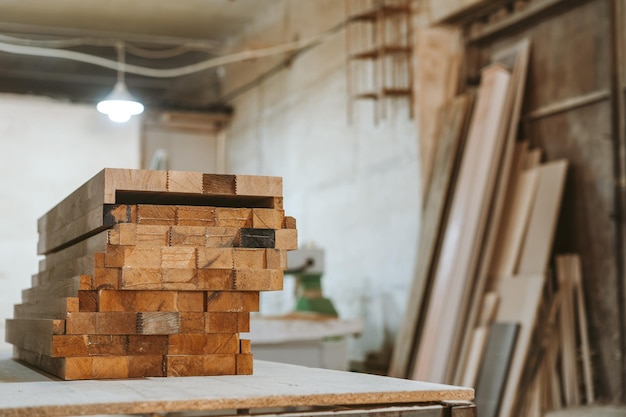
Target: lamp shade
x,y
120,105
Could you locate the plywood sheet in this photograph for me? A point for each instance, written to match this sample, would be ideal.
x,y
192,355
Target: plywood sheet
x,y
272,385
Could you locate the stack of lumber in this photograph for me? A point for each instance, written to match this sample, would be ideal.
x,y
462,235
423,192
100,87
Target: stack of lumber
x,y
481,305
153,273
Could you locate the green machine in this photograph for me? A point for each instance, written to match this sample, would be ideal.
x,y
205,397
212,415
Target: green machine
x,y
307,266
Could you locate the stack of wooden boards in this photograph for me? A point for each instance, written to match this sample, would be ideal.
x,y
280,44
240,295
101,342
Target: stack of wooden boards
x,y
482,298
153,273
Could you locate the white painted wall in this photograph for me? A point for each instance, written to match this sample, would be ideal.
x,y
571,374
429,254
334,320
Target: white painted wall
x,y
354,188
47,149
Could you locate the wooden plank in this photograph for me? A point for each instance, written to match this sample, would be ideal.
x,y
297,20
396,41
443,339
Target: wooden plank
x,y
158,322
439,54
569,362
244,364
520,301
267,218
453,123
233,217
32,333
60,288
144,300
272,385
79,213
187,236
203,344
286,239
513,229
156,214
145,366
255,238
470,364
248,258
581,316
184,182
217,322
543,219
218,184
54,308
492,379
251,185
257,280
464,227
234,301
196,216
199,365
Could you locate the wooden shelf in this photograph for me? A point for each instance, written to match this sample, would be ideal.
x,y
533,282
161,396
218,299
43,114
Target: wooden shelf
x,y
382,51
25,392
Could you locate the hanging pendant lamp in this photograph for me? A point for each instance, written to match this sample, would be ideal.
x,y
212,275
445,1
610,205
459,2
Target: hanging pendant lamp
x,y
120,105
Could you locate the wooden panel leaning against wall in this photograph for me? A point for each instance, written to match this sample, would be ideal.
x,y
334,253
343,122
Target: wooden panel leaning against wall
x,y
568,114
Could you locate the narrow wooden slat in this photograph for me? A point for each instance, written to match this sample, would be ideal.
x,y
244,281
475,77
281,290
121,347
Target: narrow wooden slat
x,y
581,315
569,362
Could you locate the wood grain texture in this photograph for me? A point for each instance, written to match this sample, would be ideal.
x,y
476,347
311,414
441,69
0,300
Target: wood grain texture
x,y
273,385
85,210
450,142
439,54
537,245
464,228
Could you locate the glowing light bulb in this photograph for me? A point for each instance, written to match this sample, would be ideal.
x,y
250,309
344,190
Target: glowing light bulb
x,y
120,105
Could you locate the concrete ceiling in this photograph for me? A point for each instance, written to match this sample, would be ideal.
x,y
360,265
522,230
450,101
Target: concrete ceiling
x,y
153,24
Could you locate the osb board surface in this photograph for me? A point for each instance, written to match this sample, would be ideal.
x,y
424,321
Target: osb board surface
x,y
23,392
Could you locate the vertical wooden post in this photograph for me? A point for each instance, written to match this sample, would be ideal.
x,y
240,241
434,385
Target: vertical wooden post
x,y
615,17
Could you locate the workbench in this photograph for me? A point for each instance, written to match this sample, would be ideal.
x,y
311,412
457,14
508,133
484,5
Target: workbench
x,y
274,389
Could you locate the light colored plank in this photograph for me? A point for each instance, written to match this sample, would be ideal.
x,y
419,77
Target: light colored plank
x,y
543,219
464,227
453,124
251,185
520,301
184,182
439,53
475,356
272,385
512,231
